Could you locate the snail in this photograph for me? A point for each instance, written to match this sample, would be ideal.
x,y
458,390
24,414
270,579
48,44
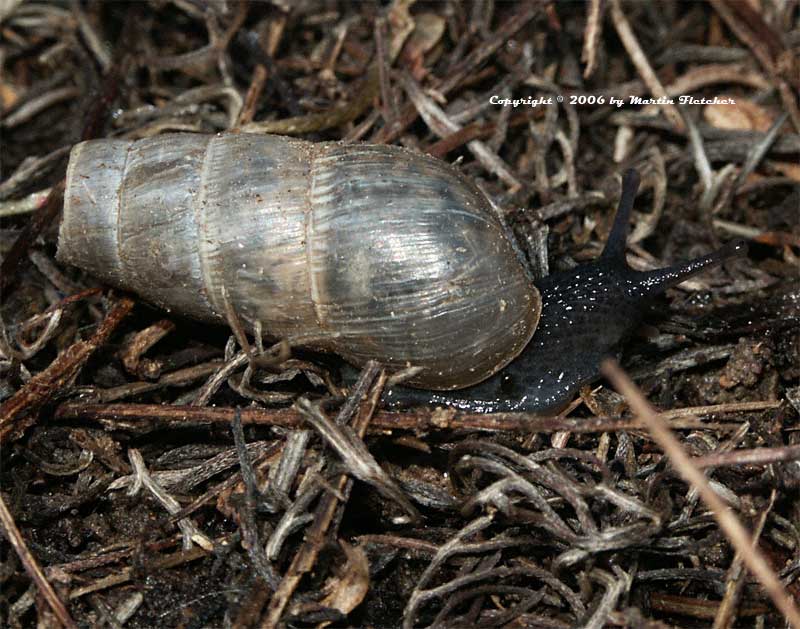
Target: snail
x,y
367,251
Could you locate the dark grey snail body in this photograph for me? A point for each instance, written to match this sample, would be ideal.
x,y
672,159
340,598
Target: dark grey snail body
x,y
372,252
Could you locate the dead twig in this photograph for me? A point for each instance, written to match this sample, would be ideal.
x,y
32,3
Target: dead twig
x,y
640,61
142,341
126,574
142,418
305,558
591,35
250,537
755,456
253,95
728,522
14,537
19,412
735,582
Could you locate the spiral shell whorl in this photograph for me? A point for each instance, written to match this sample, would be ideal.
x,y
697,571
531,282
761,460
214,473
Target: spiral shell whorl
x,y
372,251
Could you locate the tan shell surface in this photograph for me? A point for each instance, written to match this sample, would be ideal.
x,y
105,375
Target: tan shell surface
x,y
369,251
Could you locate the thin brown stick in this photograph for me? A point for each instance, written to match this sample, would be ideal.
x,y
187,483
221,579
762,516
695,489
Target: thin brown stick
x,y
19,411
131,353
639,60
161,563
14,537
737,535
734,585
591,35
253,95
144,418
388,102
755,456
458,138
179,377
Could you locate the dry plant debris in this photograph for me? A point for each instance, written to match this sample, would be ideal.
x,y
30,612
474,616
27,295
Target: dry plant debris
x,y
159,473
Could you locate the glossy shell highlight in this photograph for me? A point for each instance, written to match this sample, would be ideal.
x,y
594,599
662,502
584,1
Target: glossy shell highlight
x,y
368,251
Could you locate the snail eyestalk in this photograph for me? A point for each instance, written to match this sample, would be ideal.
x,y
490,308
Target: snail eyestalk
x,y
657,281
618,238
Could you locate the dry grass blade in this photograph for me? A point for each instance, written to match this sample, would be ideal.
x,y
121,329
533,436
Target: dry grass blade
x,y
142,478
247,521
643,65
591,35
440,124
355,456
360,411
728,522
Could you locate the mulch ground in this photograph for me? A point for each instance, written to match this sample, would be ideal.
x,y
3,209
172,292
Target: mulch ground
x,y
157,472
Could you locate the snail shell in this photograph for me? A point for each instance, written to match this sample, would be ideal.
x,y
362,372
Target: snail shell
x,y
368,251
